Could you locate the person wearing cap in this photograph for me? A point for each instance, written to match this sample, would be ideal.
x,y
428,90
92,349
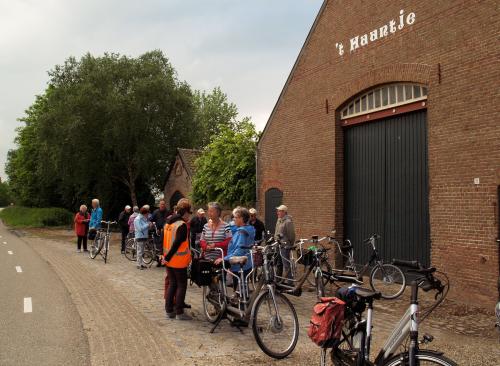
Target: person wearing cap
x,y
160,216
123,222
260,229
285,233
196,228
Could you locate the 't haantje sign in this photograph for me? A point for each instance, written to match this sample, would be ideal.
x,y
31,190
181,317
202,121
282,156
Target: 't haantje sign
x,y
384,31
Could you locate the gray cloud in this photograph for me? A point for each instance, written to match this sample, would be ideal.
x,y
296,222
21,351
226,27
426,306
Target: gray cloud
x,y
245,47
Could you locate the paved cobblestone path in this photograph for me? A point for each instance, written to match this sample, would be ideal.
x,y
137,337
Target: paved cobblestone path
x,y
122,310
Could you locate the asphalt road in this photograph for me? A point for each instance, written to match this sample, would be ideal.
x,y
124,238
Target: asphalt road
x,y
39,324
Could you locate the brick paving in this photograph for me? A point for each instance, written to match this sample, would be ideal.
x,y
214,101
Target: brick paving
x,y
134,330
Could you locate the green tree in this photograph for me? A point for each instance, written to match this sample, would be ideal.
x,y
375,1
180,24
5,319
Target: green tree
x,y
213,113
225,171
5,195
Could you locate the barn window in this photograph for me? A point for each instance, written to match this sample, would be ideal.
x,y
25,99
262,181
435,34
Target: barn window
x,y
384,97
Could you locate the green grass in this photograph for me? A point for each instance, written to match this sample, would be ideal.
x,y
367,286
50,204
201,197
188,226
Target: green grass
x,y
36,217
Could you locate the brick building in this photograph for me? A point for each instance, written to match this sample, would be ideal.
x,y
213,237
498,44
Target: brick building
x,y
388,123
178,183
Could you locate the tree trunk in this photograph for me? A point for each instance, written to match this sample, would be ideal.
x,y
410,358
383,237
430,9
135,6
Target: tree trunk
x,y
133,196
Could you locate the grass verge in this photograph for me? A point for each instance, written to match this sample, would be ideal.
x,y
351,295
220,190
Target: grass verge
x,y
36,217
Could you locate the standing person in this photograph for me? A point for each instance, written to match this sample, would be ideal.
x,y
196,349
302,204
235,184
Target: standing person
x,y
141,226
123,222
216,233
131,228
285,232
260,229
81,220
177,259
160,219
95,219
196,228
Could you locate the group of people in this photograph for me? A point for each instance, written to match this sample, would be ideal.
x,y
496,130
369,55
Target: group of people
x,y
180,234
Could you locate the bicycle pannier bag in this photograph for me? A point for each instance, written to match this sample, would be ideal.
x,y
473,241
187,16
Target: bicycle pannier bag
x,y
327,321
201,271
258,258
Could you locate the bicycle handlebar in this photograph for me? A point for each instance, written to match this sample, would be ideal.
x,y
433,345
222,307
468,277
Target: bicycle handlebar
x,y
108,222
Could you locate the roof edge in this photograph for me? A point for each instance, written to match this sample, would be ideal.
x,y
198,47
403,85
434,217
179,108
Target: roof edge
x,y
285,87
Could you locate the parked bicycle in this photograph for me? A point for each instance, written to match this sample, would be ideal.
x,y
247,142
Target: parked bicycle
x,y
151,252
385,278
353,348
131,248
271,315
100,244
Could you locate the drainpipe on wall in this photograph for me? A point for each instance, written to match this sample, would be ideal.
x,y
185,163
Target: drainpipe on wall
x,y
257,205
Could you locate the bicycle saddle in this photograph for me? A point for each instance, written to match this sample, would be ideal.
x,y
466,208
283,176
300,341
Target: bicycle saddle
x,y
238,260
367,294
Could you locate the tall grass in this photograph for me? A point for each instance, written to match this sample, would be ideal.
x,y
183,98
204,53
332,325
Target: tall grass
x,y
36,217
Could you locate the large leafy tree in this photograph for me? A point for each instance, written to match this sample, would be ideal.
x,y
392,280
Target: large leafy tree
x,y
225,171
106,126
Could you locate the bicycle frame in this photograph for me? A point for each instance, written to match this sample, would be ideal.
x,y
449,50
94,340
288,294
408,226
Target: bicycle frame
x,y
374,258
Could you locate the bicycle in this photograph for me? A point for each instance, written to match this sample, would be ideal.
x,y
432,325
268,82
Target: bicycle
x,y
100,244
353,348
151,252
315,262
385,278
131,249
272,316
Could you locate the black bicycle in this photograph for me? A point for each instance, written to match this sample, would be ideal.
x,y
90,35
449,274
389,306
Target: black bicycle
x,y
385,278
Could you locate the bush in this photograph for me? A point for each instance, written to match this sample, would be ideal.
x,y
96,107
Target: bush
x,y
36,217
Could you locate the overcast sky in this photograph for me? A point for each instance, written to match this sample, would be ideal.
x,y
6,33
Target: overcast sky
x,y
245,47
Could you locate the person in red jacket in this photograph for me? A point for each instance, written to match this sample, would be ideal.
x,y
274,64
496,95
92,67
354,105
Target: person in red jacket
x,y
82,219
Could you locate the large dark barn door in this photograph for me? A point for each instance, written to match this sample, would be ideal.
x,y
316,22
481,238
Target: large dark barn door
x,y
274,198
386,187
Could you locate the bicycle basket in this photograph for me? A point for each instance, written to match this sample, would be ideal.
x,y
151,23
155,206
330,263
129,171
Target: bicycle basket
x,y
258,258
201,271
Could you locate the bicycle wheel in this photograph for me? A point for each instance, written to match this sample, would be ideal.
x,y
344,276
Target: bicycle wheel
x,y
106,250
319,285
325,267
149,253
214,304
276,333
95,247
389,280
130,249
423,358
348,351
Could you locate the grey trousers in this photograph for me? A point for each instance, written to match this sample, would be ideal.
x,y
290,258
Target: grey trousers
x,y
140,250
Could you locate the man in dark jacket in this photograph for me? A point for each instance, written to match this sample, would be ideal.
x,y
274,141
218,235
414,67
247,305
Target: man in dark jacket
x,y
196,228
123,222
160,219
260,229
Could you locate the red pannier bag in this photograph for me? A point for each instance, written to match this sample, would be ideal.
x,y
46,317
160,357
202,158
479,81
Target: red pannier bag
x,y
327,321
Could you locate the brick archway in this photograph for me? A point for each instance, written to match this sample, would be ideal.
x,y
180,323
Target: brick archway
x,y
415,73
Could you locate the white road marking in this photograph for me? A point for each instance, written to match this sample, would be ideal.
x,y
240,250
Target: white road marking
x,y
28,307
10,252
19,269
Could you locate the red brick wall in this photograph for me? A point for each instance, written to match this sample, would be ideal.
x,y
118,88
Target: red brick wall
x,y
453,48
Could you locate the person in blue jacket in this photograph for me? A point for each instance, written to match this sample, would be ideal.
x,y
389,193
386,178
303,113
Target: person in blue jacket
x,y
96,216
244,236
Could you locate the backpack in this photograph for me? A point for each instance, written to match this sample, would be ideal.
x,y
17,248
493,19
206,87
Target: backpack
x,y
327,321
201,271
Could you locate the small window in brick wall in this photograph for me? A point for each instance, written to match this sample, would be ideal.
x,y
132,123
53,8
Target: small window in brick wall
x,y
384,97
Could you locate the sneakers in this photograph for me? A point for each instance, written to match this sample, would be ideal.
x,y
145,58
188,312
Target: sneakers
x,y
123,252
183,317
140,267
171,315
78,250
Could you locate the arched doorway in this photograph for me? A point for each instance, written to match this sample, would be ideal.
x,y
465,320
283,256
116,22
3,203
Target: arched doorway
x,y
386,172
175,198
274,198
